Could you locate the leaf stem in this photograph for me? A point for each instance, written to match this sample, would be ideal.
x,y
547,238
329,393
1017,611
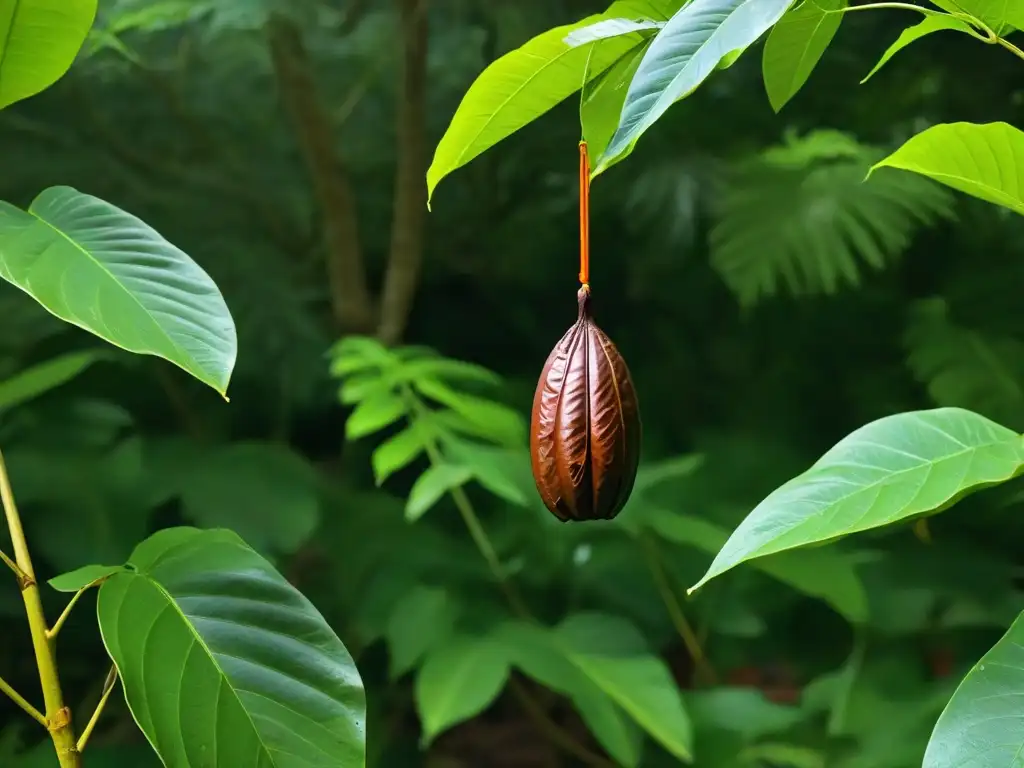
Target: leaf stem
x,y
675,610
108,687
58,716
1011,48
52,632
20,700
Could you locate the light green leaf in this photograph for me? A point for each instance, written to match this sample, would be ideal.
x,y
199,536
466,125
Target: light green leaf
x,y
104,270
493,468
517,89
224,662
986,161
39,40
821,573
41,378
1002,16
611,652
981,725
458,680
492,420
900,466
682,55
422,619
603,97
447,369
398,451
374,414
432,485
606,28
82,577
795,46
535,651
932,23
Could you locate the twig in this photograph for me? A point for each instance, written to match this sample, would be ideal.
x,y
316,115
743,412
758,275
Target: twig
x,y
13,566
22,702
108,687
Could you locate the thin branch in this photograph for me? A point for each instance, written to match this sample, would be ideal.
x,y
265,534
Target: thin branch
x,y
20,700
108,687
13,566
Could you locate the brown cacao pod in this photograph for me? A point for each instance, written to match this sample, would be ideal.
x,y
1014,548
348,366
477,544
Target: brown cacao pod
x,y
585,427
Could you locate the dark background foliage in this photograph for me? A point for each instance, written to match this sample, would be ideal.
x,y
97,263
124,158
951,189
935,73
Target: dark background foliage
x,y
254,133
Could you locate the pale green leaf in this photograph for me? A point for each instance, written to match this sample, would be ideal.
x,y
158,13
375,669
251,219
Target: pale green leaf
x,y
683,54
981,726
39,40
795,46
432,485
986,161
603,97
897,467
104,270
932,23
606,28
41,378
224,662
458,680
398,451
374,414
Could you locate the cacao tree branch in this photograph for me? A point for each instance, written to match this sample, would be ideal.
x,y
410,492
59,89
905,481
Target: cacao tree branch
x,y
351,303
21,701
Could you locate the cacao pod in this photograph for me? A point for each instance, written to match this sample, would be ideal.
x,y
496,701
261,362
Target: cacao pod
x,y
585,426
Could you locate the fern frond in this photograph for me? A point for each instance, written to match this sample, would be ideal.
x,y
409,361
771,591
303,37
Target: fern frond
x,y
964,367
800,217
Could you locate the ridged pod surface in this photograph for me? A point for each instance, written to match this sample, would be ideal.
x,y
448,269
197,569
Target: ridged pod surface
x,y
585,426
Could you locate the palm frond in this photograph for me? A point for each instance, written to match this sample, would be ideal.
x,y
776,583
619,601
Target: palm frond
x,y
800,217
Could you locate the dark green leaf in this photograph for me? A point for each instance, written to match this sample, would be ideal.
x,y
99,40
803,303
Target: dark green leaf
x,y
422,619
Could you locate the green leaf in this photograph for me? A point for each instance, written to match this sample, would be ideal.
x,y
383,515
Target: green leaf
x,y
783,756
936,22
39,40
535,651
1002,16
422,619
447,369
607,28
104,270
603,97
900,466
497,422
682,55
224,662
986,161
82,577
43,377
374,414
491,467
743,710
612,653
398,451
432,485
265,492
795,46
458,680
517,89
981,725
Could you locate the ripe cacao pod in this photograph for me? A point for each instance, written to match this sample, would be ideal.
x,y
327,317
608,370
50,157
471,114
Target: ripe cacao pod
x,y
585,427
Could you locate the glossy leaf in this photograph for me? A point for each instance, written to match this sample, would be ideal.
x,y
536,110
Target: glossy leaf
x,y
224,663
458,680
432,485
41,378
795,46
606,28
104,270
986,161
603,97
398,451
936,22
535,651
981,725
612,653
39,40
684,53
897,467
82,577
374,414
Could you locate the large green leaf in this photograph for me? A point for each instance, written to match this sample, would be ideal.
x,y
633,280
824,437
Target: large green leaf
x,y
795,45
613,654
1002,16
224,663
459,679
981,726
934,22
683,54
39,40
104,270
986,161
43,377
897,467
602,99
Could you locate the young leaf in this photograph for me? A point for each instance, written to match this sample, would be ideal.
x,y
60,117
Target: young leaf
x,y
981,725
224,662
795,45
682,55
398,451
896,467
39,40
458,680
373,414
986,161
41,378
104,270
934,22
432,485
